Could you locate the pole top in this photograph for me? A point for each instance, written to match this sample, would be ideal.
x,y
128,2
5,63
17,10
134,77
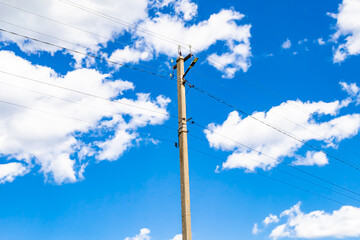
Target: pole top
x,y
181,57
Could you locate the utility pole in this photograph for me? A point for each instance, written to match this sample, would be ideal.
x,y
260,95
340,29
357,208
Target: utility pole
x,y
183,146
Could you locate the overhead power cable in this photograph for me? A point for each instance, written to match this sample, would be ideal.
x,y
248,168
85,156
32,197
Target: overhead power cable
x,y
201,90
66,24
129,25
76,119
123,23
274,127
135,69
102,110
281,162
71,50
278,180
62,115
74,44
46,112
196,88
87,94
85,54
279,170
249,101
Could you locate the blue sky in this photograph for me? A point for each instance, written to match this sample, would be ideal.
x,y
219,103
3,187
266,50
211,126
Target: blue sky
x,y
87,146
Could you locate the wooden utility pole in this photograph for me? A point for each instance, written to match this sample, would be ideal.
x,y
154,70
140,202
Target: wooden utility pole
x,y
183,147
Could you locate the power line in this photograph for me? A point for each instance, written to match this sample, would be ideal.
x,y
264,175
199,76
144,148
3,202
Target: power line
x,y
46,112
106,98
62,115
122,22
77,52
85,54
200,90
289,165
65,24
87,94
74,102
74,44
280,181
77,119
53,20
274,127
280,162
303,189
119,21
98,13
279,170
280,115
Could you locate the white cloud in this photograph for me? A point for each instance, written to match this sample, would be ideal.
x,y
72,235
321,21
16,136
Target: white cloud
x,y
129,55
348,30
187,8
154,35
57,143
341,223
286,44
183,8
9,171
353,90
271,219
255,229
301,121
320,41
103,29
220,27
143,235
312,158
177,237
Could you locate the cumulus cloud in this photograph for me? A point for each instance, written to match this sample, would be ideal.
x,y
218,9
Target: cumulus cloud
x,y
312,158
143,235
52,129
220,27
129,55
9,171
271,219
347,33
184,8
303,120
286,44
341,223
353,90
177,237
98,30
151,34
